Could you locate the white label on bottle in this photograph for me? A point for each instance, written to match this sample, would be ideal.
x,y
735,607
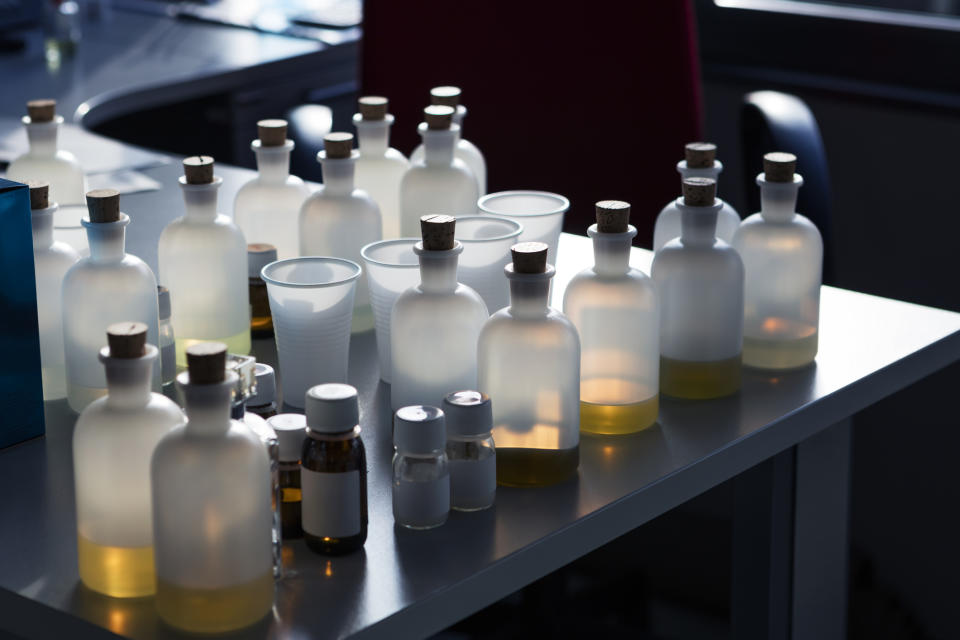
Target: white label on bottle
x,y
330,503
473,483
422,504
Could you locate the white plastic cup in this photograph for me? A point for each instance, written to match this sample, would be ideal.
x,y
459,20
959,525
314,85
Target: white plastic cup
x,y
540,213
392,268
311,301
486,251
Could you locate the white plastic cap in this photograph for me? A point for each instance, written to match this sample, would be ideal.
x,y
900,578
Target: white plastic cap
x,y
291,429
258,256
332,408
419,429
266,386
469,413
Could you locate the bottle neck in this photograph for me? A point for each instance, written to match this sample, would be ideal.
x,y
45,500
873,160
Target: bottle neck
x,y
128,379
43,136
106,239
42,222
373,136
273,163
701,172
201,199
207,405
698,225
438,269
439,144
529,292
338,175
778,200
611,251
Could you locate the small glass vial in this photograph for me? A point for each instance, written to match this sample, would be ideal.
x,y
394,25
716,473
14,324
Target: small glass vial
x,y
699,280
470,450
465,150
168,350
291,429
614,308
380,167
421,474
211,508
339,219
333,471
263,400
441,182
434,326
782,254
267,208
700,162
259,256
529,362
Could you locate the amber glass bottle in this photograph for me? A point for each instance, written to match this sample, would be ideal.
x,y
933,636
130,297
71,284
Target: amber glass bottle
x,y
259,256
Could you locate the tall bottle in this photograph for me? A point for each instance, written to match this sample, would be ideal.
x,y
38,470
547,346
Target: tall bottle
x,y
465,150
112,444
434,325
441,182
211,508
51,261
380,167
614,308
782,254
529,362
699,162
339,219
105,287
203,261
267,208
699,279
44,162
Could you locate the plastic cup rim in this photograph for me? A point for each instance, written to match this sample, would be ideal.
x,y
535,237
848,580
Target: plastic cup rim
x,y
512,234
383,263
563,208
311,285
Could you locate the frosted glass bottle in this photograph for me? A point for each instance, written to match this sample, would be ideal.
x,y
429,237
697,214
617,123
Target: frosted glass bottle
x,y
380,167
614,308
440,183
112,444
339,219
529,365
700,162
203,262
782,254
105,287
267,208
699,281
44,162
465,150
211,508
434,325
51,261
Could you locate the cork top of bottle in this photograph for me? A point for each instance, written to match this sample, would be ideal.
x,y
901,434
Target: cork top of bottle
x,y
446,95
272,132
779,166
700,155
338,145
207,362
529,257
438,232
198,169
699,192
127,339
373,107
438,117
42,110
103,205
39,194
613,216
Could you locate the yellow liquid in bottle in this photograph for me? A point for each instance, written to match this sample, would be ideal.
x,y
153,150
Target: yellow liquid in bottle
x,y
121,572
522,467
699,380
781,344
215,610
604,411
239,344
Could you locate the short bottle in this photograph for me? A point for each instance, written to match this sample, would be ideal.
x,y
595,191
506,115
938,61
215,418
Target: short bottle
x,y
339,219
203,261
168,350
470,450
465,150
441,182
782,254
614,308
112,444
105,287
263,400
699,162
421,473
291,429
379,167
434,325
267,208
699,280
261,321
211,508
529,364
333,471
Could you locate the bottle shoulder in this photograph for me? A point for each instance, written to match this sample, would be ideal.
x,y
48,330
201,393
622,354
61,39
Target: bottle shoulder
x,y
58,255
257,186
798,229
588,283
130,269
357,202
155,418
552,322
676,255
463,299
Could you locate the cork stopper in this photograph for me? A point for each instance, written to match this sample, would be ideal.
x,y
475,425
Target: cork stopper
x,y
373,107
198,169
438,116
449,96
127,339
438,232
699,192
529,257
42,110
338,145
779,166
272,133
613,216
207,362
700,155
39,194
103,205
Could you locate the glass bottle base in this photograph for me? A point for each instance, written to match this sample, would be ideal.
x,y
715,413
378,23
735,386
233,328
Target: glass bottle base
x,y
215,610
334,546
522,467
618,419
699,380
119,572
779,354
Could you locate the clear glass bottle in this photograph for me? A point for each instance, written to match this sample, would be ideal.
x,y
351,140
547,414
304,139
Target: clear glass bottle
x,y
168,350
465,150
380,167
291,429
434,326
267,208
339,219
107,286
421,473
112,444
203,260
441,182
782,254
699,280
211,508
259,256
51,261
470,450
614,308
529,364
333,471
700,162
